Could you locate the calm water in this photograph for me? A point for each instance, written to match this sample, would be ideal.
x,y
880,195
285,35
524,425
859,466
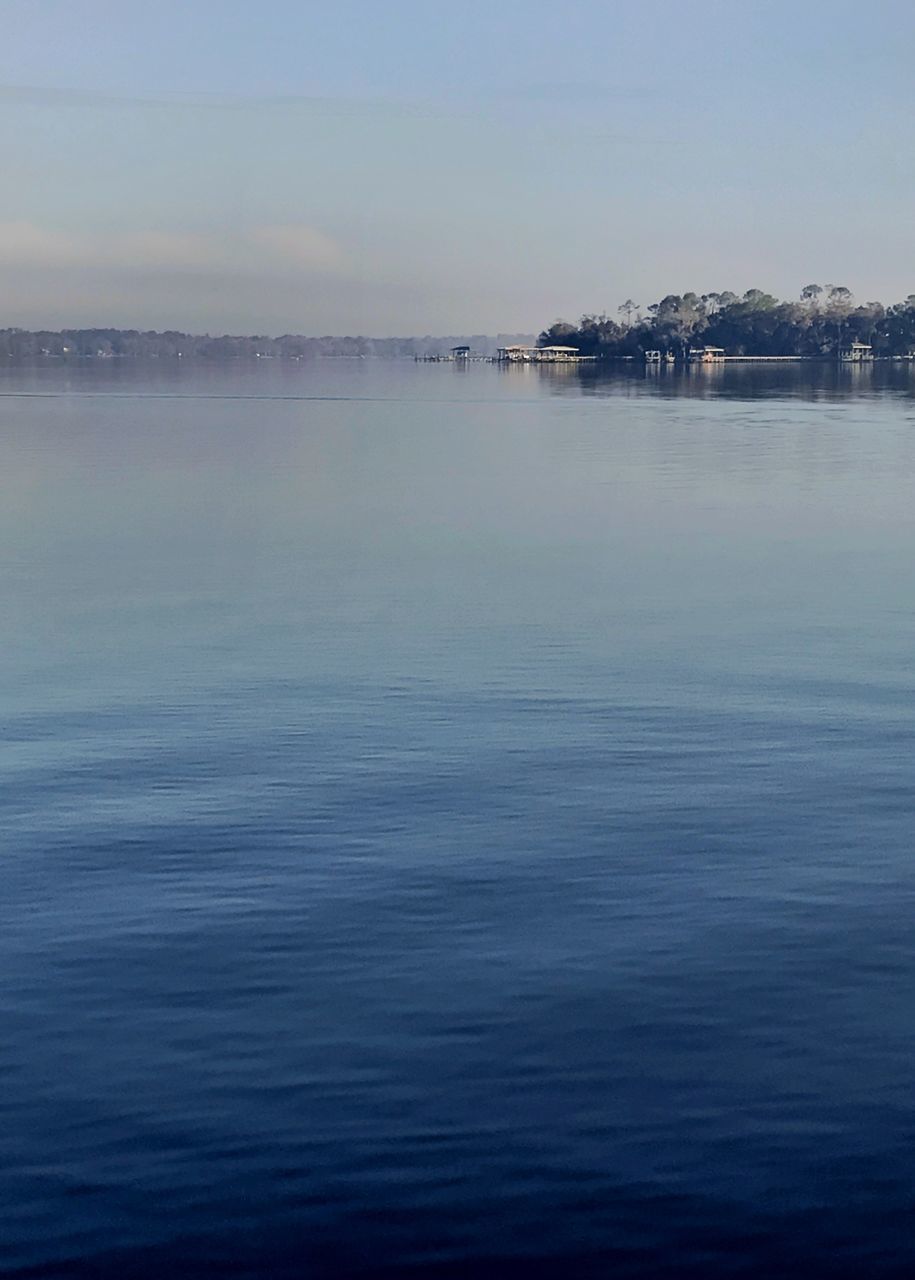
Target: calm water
x,y
456,823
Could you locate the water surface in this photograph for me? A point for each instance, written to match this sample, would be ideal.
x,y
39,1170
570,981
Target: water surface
x,y
456,822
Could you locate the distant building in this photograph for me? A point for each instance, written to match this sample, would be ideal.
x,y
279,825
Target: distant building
x,y
538,355
857,353
552,354
706,355
460,353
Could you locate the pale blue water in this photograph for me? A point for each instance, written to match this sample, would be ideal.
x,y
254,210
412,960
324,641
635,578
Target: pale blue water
x,y
456,822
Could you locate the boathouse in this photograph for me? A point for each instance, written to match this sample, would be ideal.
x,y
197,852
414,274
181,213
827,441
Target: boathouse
x,y
552,354
706,355
538,355
857,353
515,354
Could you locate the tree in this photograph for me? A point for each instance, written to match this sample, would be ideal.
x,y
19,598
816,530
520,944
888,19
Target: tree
x,y
840,300
559,334
678,320
839,296
756,300
627,309
755,324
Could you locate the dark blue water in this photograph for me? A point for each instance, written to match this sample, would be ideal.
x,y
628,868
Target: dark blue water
x,y
456,823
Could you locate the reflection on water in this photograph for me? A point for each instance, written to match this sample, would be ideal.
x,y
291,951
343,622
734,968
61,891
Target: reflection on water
x,y
457,823
736,379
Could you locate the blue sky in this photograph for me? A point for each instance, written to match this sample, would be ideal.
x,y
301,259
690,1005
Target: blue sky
x,y
422,167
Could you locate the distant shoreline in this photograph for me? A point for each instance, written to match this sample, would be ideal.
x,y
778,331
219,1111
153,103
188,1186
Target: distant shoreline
x,y
119,344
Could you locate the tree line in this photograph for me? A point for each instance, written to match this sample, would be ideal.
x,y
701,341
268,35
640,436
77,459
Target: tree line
x,y
821,322
149,344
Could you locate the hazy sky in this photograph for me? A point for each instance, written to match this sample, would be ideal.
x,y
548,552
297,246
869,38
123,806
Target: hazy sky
x,y
402,167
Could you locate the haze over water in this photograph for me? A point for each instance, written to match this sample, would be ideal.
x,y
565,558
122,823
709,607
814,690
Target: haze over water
x,y
457,822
